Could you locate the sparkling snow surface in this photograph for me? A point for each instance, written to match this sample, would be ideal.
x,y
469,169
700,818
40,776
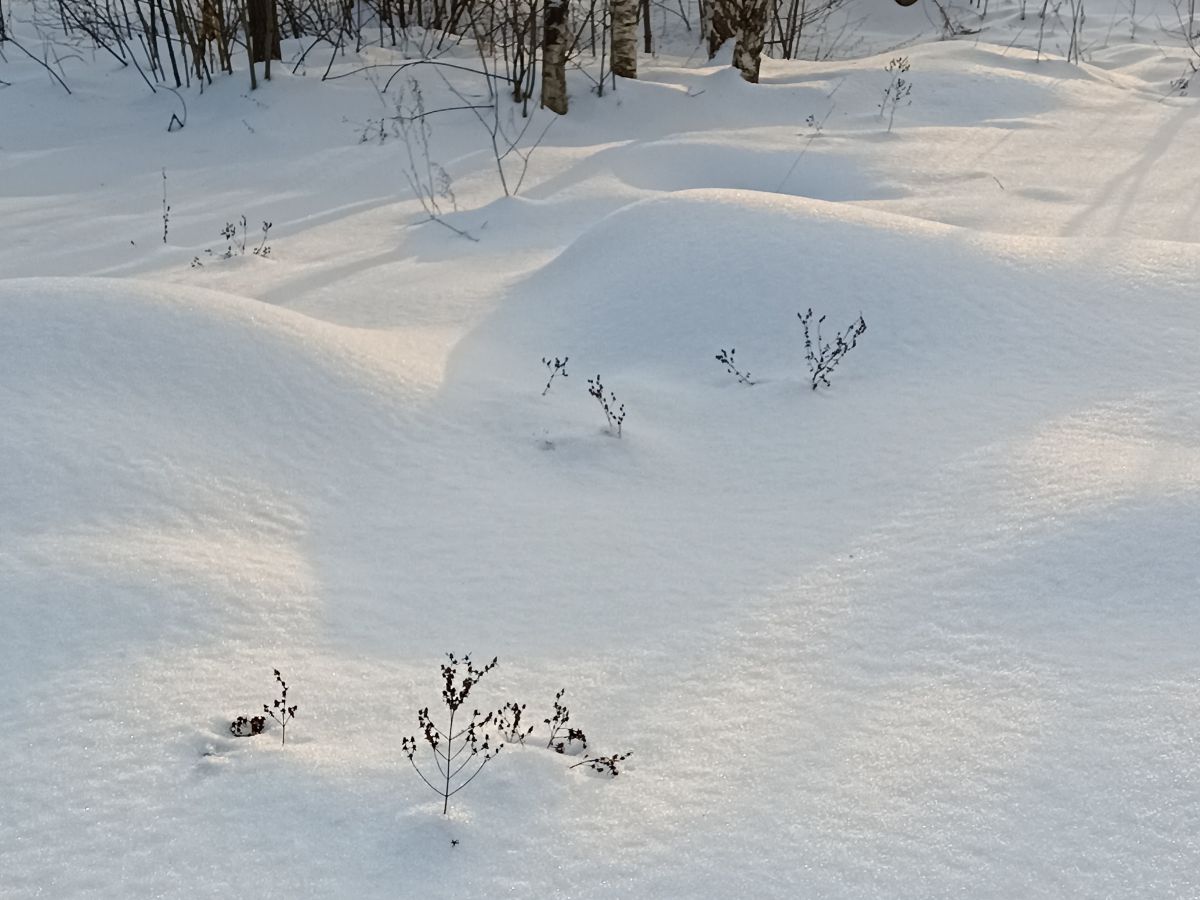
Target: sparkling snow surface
x,y
932,632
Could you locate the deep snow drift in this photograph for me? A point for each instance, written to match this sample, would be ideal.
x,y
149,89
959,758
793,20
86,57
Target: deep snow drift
x,y
929,632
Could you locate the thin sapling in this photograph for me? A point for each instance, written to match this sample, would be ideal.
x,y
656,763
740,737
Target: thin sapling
x,y
430,182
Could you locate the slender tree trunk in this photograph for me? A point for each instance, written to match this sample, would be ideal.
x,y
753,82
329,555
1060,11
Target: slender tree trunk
x,y
162,12
555,35
289,13
188,39
249,44
273,25
3,31
624,38
150,33
215,28
751,28
276,50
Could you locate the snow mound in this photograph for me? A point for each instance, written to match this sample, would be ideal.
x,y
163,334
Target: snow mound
x,y
157,441
661,285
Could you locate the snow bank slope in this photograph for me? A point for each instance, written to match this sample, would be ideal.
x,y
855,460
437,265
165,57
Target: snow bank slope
x,y
982,333
928,633
895,638
970,673
176,432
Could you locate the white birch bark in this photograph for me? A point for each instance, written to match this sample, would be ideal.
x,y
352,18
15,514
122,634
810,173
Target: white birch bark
x,y
719,16
624,38
751,28
555,35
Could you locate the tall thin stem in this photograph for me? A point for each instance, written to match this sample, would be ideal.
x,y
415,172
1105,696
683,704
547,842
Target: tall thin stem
x,y
449,740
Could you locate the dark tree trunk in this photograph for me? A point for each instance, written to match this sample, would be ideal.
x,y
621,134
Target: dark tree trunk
x,y
162,12
289,13
261,33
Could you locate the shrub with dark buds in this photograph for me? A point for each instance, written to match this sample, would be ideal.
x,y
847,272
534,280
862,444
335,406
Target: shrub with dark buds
x,y
279,709
605,765
166,209
508,723
248,727
822,356
230,233
726,359
562,736
235,235
458,755
898,90
614,413
263,248
557,367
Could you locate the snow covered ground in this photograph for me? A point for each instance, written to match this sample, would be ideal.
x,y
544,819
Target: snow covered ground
x,y
931,632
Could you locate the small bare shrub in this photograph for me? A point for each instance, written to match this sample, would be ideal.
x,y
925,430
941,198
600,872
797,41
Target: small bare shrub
x,y
605,765
279,709
613,412
248,727
726,359
898,91
557,367
236,235
509,724
562,736
823,357
459,755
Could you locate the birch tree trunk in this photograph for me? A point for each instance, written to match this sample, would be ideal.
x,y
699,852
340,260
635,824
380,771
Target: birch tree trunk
x,y
751,28
624,38
555,35
717,23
